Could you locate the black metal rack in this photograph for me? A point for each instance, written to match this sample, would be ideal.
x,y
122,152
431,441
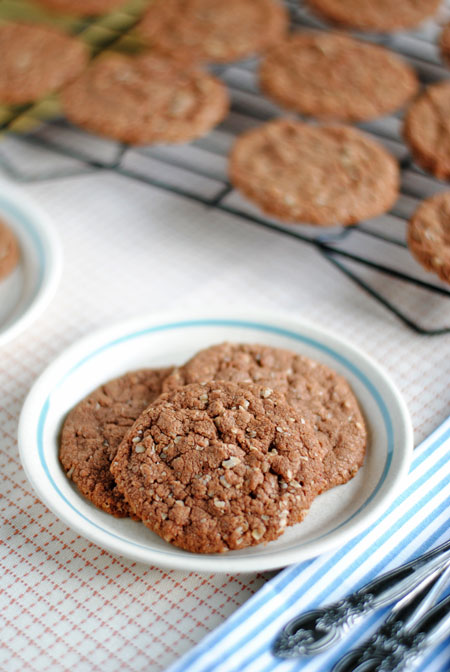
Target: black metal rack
x,y
372,255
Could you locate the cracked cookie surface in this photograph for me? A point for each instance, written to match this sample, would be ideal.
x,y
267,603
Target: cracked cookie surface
x,y
315,391
321,175
332,76
427,129
219,466
37,60
145,99
93,430
213,30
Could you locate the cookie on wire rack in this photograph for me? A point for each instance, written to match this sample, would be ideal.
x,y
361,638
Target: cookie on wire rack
x,y
427,129
213,30
444,43
37,60
332,76
145,99
375,15
219,467
322,175
429,235
93,430
315,391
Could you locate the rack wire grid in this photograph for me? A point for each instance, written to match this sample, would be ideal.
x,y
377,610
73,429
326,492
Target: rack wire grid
x,y
38,144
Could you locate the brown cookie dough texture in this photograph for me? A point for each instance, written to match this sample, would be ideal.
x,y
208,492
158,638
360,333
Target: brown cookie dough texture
x,y
323,175
219,466
145,99
444,43
321,396
375,15
82,7
214,30
9,250
94,429
427,129
36,60
331,76
429,235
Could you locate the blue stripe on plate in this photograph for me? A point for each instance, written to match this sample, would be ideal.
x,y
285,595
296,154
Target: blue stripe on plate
x,y
261,611
43,415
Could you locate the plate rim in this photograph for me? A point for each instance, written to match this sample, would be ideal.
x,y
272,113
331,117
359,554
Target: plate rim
x,y
38,224
107,337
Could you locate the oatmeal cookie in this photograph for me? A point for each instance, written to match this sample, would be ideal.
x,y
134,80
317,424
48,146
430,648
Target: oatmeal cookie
x,y
94,429
429,235
219,466
332,76
37,60
427,129
145,99
315,391
324,175
213,30
9,250
382,15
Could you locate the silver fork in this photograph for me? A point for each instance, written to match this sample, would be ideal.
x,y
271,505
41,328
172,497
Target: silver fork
x,y
415,624
318,630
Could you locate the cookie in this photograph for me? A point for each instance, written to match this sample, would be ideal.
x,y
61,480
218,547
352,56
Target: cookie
x,y
322,175
145,99
213,30
9,250
314,390
37,60
93,430
429,235
444,43
82,7
332,76
219,466
427,129
382,15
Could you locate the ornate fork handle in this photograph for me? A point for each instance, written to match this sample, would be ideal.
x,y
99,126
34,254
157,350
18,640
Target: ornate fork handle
x,y
406,635
316,631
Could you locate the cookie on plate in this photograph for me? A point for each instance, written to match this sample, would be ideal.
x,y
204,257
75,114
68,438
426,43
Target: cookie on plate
x,y
9,250
83,7
37,60
427,129
322,175
93,430
219,466
383,15
429,235
444,43
213,30
332,76
145,99
316,392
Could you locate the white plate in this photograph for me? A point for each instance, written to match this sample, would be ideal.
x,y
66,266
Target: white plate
x,y
334,517
26,292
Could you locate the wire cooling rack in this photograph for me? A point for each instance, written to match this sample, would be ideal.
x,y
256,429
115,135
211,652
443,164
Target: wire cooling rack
x,y
38,144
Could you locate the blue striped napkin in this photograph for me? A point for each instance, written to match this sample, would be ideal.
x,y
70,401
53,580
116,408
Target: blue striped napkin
x,y
418,520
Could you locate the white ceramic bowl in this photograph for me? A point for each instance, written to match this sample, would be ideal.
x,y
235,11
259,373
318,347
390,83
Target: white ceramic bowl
x,y
335,516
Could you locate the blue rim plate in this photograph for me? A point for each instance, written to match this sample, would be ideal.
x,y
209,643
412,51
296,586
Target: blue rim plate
x,y
27,291
334,517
